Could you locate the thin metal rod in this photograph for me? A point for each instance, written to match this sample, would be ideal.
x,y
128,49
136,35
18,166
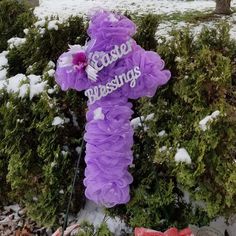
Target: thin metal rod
x,y
73,186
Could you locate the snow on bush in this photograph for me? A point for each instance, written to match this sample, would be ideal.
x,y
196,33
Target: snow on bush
x,y
182,156
204,123
23,85
16,42
3,65
66,8
53,24
58,121
139,121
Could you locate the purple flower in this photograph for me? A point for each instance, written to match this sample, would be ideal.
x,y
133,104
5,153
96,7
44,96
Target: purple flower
x,y
70,71
79,60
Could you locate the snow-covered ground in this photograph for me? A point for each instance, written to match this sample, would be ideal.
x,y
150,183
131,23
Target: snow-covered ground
x,y
65,8
165,27
96,215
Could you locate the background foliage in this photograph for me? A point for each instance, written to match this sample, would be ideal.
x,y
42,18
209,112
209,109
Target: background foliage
x,y
14,17
203,81
37,158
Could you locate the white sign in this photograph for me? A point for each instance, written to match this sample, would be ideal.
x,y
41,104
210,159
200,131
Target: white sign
x,y
100,60
97,92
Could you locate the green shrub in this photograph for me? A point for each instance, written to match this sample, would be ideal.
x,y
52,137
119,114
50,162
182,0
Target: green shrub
x,y
37,159
41,157
89,229
4,186
15,16
203,70
44,44
201,84
147,26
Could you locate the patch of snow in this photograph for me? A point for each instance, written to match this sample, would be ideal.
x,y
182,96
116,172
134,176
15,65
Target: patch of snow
x,y
34,79
53,164
66,8
3,65
98,114
64,153
162,149
78,150
23,90
178,59
74,119
7,220
96,215
51,65
16,42
164,28
36,86
13,83
23,84
203,124
150,116
182,156
20,121
221,225
35,199
40,23
3,59
26,31
3,85
3,74
215,114
53,25
233,31
51,91
41,31
61,191
161,133
138,121
67,120
14,208
51,72
58,121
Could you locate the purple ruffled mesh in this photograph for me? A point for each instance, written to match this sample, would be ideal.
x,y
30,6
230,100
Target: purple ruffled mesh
x,y
109,135
108,153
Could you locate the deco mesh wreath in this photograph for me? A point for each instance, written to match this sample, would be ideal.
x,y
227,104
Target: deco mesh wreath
x,y
112,68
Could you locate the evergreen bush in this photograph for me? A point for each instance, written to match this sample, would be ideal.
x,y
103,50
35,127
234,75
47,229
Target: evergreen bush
x,y
146,30
14,17
89,229
45,41
37,158
203,82
40,156
4,186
